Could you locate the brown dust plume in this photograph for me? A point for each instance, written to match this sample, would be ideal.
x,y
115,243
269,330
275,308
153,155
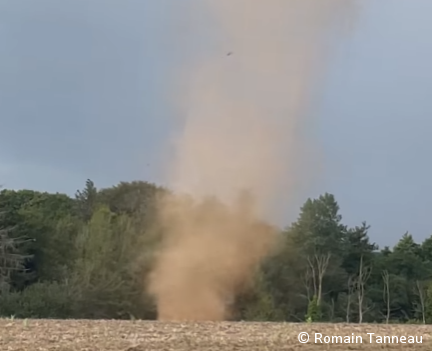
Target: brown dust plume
x,y
245,106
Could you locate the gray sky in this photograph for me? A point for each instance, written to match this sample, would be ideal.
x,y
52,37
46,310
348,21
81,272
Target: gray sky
x,y
83,94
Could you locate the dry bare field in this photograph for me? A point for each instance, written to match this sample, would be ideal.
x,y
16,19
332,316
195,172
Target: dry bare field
x,y
105,335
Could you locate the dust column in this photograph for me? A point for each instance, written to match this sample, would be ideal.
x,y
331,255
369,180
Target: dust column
x,y
245,108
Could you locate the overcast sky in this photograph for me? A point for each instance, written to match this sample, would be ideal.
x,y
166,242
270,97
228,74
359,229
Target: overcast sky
x,y
83,94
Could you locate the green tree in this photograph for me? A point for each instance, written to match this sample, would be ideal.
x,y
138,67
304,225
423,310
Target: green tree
x,y
357,246
318,236
49,220
428,308
131,198
86,200
319,228
426,249
109,271
258,303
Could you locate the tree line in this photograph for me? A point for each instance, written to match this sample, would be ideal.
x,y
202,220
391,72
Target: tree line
x,y
88,256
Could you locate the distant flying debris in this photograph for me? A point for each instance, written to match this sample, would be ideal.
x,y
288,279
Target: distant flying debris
x,y
230,53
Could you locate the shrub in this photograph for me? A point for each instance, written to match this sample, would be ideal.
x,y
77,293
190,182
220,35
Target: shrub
x,y
314,311
40,300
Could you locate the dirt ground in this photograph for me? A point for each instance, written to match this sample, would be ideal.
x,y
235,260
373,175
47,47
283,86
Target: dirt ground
x,y
106,335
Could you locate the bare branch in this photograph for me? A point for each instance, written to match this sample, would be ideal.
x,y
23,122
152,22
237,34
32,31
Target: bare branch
x,y
363,277
386,293
319,265
420,289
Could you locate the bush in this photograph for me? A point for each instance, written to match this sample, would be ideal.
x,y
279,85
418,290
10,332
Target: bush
x,y
314,311
40,300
